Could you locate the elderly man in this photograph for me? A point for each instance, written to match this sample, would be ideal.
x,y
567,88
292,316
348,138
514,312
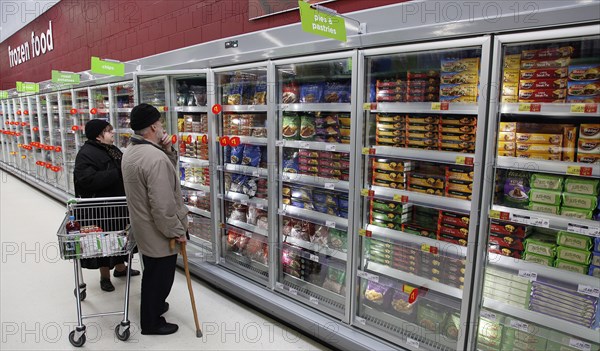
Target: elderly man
x,y
156,211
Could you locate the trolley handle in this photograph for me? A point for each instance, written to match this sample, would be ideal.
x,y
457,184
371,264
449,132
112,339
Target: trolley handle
x,y
95,199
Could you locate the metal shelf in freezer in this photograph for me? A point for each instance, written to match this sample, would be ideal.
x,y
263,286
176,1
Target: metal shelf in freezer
x,y
314,145
314,217
556,167
322,249
549,109
422,107
314,181
332,107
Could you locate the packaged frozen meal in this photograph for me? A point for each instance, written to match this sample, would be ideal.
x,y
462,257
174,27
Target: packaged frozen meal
x,y
586,202
378,295
546,181
291,127
311,93
584,72
547,197
516,189
576,241
541,245
576,213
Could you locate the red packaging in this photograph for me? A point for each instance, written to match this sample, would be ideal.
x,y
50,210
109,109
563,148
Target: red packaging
x,y
542,64
559,83
508,241
544,73
542,94
504,251
509,229
457,219
389,83
412,75
454,230
547,54
451,239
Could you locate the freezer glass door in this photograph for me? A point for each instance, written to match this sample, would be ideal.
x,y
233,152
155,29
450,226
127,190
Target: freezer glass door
x,y
81,106
30,117
11,156
189,99
313,144
4,131
53,142
43,131
542,274
422,121
69,128
22,117
154,91
121,103
243,173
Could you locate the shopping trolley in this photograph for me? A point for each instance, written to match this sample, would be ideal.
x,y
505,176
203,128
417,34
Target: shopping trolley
x,y
104,227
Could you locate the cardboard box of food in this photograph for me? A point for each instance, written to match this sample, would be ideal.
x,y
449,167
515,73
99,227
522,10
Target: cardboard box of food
x,y
422,135
538,156
507,127
562,62
459,78
548,53
584,72
422,127
460,65
539,138
454,128
507,241
458,90
569,143
588,146
459,99
459,232
459,120
584,88
510,229
558,83
507,136
542,94
510,89
589,131
463,186
588,158
460,173
428,119
546,73
391,164
457,137
511,76
539,148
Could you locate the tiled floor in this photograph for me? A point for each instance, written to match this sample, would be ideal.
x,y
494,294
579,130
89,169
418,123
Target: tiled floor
x,y
38,309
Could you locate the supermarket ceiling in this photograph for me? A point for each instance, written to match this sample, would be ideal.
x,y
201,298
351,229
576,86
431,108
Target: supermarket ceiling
x,y
17,14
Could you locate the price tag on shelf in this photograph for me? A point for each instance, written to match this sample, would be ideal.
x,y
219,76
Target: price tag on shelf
x,y
428,248
401,198
523,107
436,106
179,108
522,326
280,211
528,275
314,258
580,345
260,206
280,143
304,145
579,171
588,290
314,300
538,222
329,186
330,147
368,151
584,108
368,276
255,173
488,315
361,320
583,229
244,202
370,106
462,160
364,232
412,343
293,291
285,177
330,224
279,285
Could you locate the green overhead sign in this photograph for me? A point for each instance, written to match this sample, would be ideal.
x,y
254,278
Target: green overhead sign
x,y
108,67
320,23
28,87
63,77
3,94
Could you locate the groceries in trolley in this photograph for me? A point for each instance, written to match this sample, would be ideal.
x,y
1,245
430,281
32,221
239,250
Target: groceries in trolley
x,y
90,241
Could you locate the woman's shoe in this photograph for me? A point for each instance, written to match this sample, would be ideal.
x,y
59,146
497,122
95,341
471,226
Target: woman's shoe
x,y
123,273
106,285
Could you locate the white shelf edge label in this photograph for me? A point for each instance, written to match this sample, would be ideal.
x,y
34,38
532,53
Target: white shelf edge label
x,y
201,193
279,143
583,229
255,173
285,177
329,186
244,202
588,290
412,342
293,291
361,320
488,315
538,222
528,275
522,326
330,147
314,258
248,234
304,145
280,211
330,224
279,285
580,345
368,276
219,168
259,206
314,300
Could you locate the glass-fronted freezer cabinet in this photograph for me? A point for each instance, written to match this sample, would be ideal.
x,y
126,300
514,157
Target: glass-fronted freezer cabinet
x,y
542,273
10,132
244,177
424,118
314,110
53,140
121,101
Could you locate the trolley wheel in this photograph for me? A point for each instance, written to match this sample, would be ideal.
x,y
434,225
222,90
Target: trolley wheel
x,y
82,294
76,343
124,336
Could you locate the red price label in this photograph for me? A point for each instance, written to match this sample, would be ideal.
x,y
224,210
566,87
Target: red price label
x,y
434,250
469,161
174,139
23,124
535,108
586,171
94,111
48,166
35,129
58,149
217,108
7,123
368,233
73,111
18,134
413,296
590,108
26,112
42,163
235,141
505,216
224,141
19,112
75,128
444,106
205,139
404,199
37,163
189,139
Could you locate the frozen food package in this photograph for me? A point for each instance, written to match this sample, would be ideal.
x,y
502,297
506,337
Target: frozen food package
x,y
335,279
338,239
547,197
516,189
260,92
237,154
576,213
584,72
290,93
378,295
460,65
311,93
336,92
576,241
307,127
251,156
290,161
586,202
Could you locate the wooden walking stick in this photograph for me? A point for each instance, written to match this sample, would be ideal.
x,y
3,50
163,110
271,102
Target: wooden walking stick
x,y
189,284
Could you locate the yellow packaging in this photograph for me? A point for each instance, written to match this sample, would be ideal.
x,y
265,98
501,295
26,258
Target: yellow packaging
x,y
508,127
512,61
509,99
422,127
569,144
538,156
510,89
422,180
507,153
459,78
539,148
461,186
463,99
433,143
588,146
423,119
588,158
511,76
458,90
460,65
450,128
379,132
538,138
458,173
507,146
507,136
589,131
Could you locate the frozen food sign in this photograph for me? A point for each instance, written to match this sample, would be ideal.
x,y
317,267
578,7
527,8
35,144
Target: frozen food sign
x,y
40,44
319,23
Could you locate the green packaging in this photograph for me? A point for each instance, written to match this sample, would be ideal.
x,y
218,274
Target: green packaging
x,y
575,241
573,255
539,259
546,181
582,186
571,267
578,213
543,208
541,245
547,197
586,202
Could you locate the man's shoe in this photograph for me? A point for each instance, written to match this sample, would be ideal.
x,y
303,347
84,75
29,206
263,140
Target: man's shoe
x,y
165,309
123,273
106,285
165,329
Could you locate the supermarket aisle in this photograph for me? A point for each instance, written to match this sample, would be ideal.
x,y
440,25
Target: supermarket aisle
x,y
38,306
